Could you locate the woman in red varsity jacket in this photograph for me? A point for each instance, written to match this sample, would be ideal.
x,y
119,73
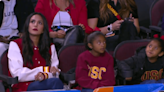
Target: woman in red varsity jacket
x,y
33,58
95,66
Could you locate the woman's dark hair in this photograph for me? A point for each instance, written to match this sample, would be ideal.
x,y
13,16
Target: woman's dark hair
x,y
43,45
91,37
161,43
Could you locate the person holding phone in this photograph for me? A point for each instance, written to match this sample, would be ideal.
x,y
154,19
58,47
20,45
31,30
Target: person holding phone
x,y
108,22
67,20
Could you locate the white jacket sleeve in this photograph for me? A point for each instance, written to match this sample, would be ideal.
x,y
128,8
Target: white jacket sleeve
x,y
54,60
54,57
16,68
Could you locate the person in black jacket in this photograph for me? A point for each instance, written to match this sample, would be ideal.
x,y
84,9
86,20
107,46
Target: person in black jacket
x,y
146,66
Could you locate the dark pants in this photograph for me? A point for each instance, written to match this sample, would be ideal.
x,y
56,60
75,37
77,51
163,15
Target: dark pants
x,y
52,83
87,90
152,81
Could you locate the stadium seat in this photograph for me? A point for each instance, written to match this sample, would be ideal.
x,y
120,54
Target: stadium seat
x,y
6,80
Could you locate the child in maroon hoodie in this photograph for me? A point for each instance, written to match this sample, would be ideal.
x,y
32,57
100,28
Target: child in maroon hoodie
x,y
95,66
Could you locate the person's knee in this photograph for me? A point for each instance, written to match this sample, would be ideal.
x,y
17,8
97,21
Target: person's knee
x,y
57,83
54,83
33,86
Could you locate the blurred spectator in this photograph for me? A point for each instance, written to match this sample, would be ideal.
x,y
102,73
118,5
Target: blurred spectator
x,y
62,16
12,18
110,22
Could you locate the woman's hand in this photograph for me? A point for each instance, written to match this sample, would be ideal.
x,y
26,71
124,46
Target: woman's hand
x,y
53,34
61,33
39,77
131,18
54,70
116,25
82,26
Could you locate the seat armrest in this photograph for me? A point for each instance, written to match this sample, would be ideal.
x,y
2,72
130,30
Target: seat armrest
x,y
144,29
156,28
8,80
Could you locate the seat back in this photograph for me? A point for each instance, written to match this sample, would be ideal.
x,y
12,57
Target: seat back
x,y
143,7
127,49
68,56
4,63
3,68
156,12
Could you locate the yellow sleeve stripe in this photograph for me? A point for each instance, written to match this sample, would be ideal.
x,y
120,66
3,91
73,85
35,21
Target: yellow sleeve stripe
x,y
45,75
46,69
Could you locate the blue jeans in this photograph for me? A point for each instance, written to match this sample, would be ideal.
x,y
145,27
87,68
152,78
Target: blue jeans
x,y
87,90
152,81
52,83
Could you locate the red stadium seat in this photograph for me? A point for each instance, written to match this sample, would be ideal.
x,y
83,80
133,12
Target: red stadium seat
x,y
4,72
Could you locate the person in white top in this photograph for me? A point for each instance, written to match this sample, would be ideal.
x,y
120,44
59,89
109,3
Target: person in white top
x,y
67,20
33,58
9,24
13,14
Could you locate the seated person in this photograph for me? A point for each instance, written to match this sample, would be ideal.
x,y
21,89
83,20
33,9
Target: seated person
x,y
62,16
95,66
12,17
33,58
109,16
147,65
